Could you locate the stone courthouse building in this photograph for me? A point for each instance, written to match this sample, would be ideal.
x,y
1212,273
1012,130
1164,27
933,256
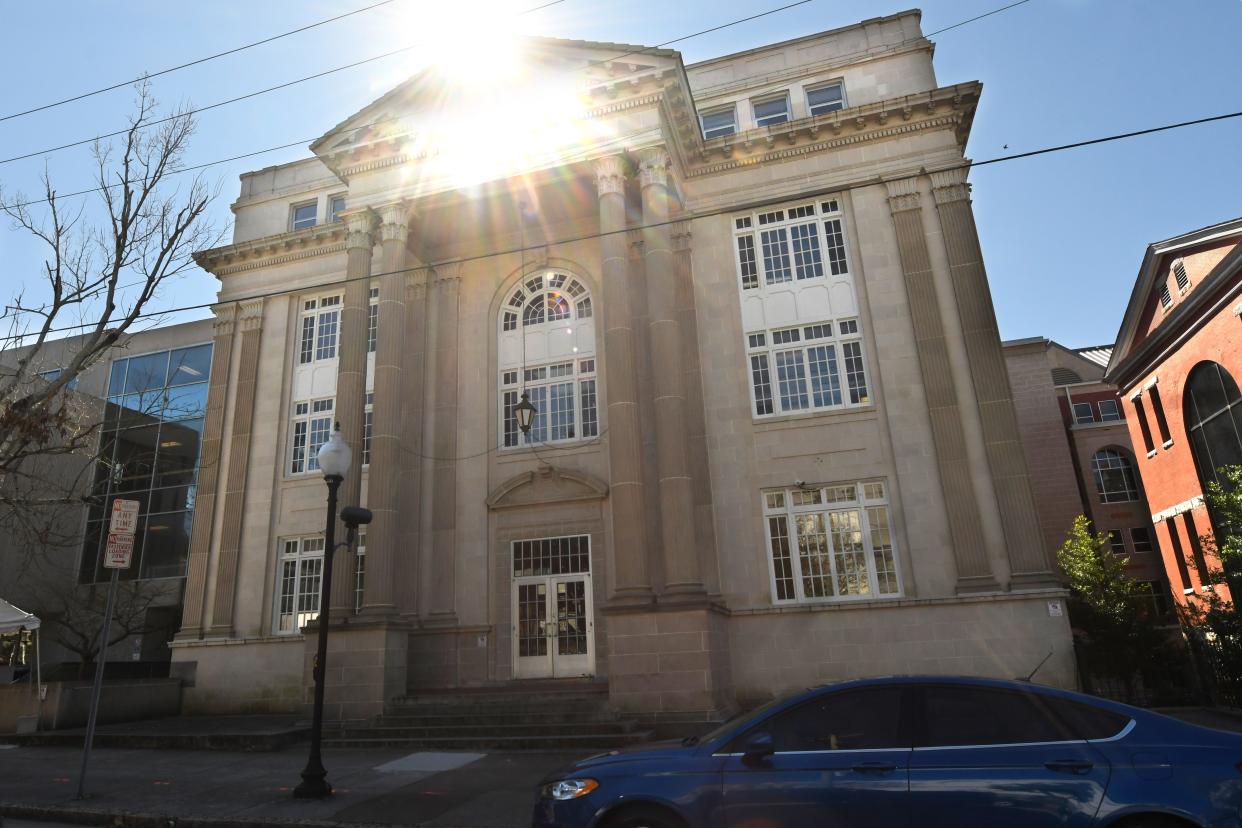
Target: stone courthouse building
x,y
775,443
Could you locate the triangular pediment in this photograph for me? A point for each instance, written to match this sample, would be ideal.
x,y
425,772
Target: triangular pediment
x,y
427,101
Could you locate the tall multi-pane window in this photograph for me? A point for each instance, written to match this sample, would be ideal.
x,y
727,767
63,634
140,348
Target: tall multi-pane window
x,y
360,571
553,314
810,367
1114,476
149,452
798,243
298,583
309,429
367,428
320,329
373,320
831,542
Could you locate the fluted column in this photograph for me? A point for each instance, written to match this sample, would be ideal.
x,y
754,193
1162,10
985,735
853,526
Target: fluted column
x,y
195,600
379,596
446,286
351,386
681,562
410,486
250,321
974,572
1028,560
629,540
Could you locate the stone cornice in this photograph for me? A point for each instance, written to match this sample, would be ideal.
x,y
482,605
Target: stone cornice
x,y
321,240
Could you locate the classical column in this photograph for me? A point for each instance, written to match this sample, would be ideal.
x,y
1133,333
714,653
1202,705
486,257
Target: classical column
x,y
1028,560
681,560
250,321
629,541
696,420
351,385
446,286
195,600
410,486
383,500
974,573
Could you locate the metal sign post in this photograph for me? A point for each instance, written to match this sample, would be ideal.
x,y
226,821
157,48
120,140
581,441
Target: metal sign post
x,y
117,556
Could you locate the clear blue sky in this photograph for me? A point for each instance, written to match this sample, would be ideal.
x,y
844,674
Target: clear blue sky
x,y
1062,234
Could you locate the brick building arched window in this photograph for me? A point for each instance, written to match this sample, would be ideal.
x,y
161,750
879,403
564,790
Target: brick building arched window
x,y
1212,410
1115,480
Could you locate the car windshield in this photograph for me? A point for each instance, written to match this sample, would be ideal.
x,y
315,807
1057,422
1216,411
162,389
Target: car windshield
x,y
736,720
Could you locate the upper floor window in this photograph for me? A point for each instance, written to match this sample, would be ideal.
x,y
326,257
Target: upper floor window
x,y
303,215
321,324
336,206
1083,413
780,246
310,428
54,374
297,596
719,123
1114,476
1213,417
367,428
771,111
831,542
373,320
547,351
822,99
817,366
1109,412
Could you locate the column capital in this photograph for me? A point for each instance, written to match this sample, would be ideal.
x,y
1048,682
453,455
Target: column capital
x,y
395,221
416,282
447,276
226,317
653,166
950,185
251,316
610,175
359,228
903,194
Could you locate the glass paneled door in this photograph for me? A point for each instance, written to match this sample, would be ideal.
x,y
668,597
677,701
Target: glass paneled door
x,y
553,622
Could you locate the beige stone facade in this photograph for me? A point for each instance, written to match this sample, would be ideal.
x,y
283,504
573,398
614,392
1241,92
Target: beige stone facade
x,y
776,443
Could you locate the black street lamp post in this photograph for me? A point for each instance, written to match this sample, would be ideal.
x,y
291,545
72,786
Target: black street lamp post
x,y
334,459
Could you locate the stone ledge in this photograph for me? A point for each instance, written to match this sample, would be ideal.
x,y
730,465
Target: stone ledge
x,y
229,642
901,603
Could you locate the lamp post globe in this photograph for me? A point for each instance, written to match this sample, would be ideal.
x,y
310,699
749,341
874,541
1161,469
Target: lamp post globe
x,y
334,455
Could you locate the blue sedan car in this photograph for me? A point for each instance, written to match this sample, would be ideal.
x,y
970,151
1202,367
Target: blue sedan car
x,y
923,752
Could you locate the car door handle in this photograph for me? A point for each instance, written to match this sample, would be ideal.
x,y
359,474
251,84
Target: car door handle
x,y
1069,765
875,767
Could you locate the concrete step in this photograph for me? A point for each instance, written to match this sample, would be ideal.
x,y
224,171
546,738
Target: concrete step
x,y
475,731
461,717
583,741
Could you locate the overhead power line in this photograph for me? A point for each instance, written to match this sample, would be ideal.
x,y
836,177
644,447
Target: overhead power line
x,y
619,57
201,60
683,217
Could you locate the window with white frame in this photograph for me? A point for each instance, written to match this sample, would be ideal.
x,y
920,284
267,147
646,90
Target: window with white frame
x,y
1083,413
373,320
1109,412
807,368
827,98
719,122
366,428
302,216
771,111
792,244
320,329
553,313
298,584
831,542
310,428
336,206
360,571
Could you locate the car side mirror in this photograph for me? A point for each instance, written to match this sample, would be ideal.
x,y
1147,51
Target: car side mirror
x,y
758,746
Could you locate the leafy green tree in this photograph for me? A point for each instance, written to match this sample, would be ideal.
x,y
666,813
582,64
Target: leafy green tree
x,y
1116,627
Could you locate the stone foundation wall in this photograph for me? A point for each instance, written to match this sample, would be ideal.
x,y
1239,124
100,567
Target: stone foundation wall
x,y
240,675
449,658
366,669
670,664
994,636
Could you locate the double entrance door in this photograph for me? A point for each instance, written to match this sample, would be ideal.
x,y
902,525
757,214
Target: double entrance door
x,y
553,619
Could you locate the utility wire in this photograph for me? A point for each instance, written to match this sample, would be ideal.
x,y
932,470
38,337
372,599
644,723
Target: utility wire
x,y
239,98
376,123
172,69
682,217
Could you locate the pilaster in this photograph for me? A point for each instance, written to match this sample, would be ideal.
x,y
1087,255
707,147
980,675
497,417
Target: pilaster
x,y
194,602
953,464
442,486
250,323
413,417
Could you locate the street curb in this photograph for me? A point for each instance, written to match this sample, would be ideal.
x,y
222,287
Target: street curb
x,y
124,819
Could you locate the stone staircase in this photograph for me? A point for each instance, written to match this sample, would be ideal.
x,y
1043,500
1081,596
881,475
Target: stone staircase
x,y
529,716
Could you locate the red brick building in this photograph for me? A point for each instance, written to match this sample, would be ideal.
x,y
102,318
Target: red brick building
x,y
1176,363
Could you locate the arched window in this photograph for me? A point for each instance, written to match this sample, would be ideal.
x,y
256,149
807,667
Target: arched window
x,y
1114,476
546,346
1212,410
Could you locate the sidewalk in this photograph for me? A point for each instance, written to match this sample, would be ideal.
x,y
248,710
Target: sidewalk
x,y
218,788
